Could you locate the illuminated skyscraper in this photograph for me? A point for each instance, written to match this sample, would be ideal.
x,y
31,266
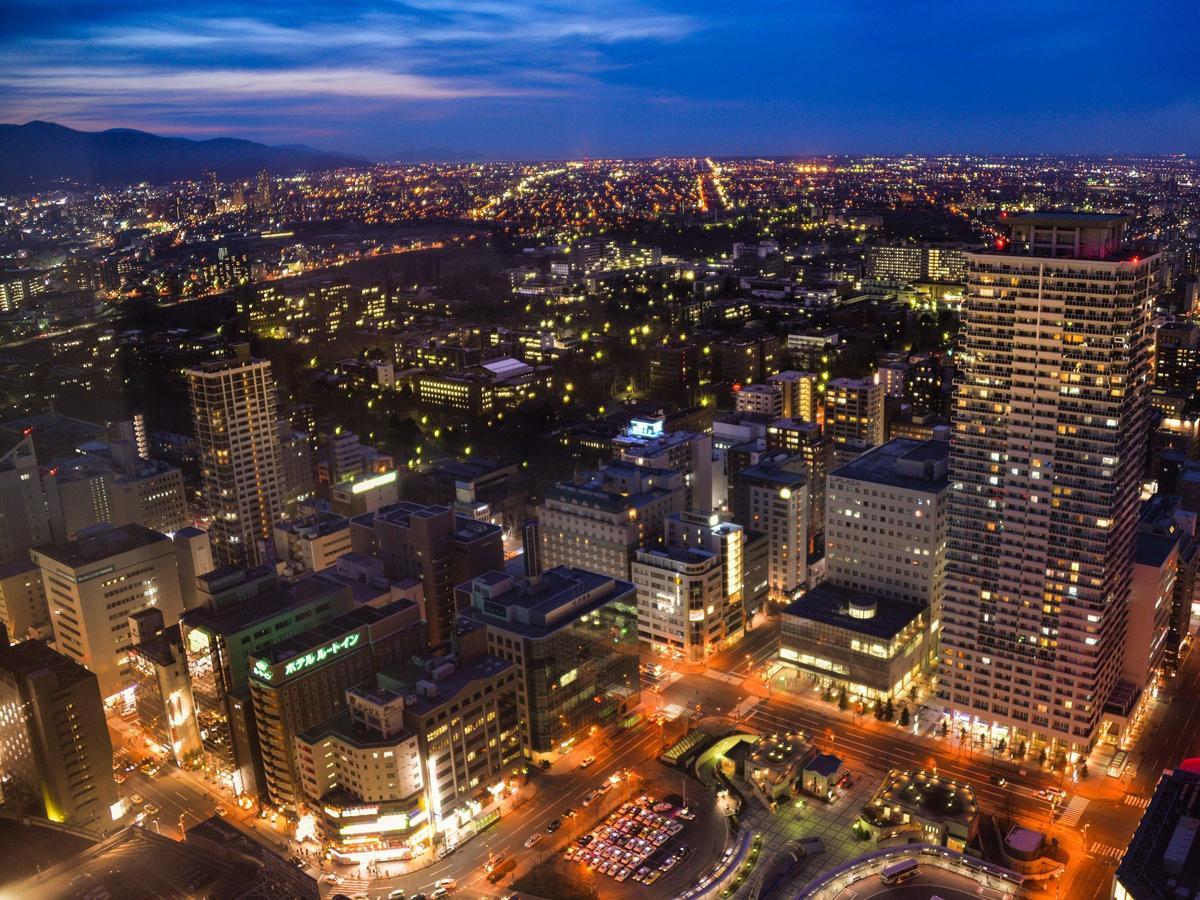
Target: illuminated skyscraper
x,y
1049,439
234,410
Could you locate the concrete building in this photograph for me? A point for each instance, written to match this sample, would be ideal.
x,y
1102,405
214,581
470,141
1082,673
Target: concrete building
x,y
1163,856
808,441
801,399
854,415
234,410
772,498
765,399
312,544
301,681
433,545
23,608
193,556
572,636
365,494
95,582
55,752
24,520
1177,357
598,521
646,443
1045,474
1155,570
887,516
295,465
921,807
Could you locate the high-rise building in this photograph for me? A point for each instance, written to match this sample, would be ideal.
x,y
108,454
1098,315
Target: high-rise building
x,y
162,693
807,440
1177,357
1045,472
674,371
23,608
193,555
95,582
597,522
434,545
772,498
887,515
854,415
55,752
234,411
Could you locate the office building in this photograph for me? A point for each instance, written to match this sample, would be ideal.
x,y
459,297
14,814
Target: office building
x,y
1045,474
854,415
23,608
24,521
675,371
772,498
366,494
55,752
807,440
435,546
240,613
95,583
800,395
572,636
301,681
234,412
295,465
193,556
646,442
887,516
598,521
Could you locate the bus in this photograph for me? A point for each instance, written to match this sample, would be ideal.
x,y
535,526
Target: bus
x,y
899,872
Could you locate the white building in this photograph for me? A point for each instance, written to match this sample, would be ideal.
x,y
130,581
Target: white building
x,y
1045,473
764,399
646,443
95,583
773,499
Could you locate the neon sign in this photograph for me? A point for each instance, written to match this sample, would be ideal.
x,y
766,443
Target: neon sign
x,y
262,669
361,487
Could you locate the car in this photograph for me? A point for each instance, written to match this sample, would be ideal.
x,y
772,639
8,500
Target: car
x,y
544,764
438,892
532,840
663,807
604,788
999,780
682,850
151,809
119,777
418,897
587,761
449,883
222,811
589,797
654,875
584,839
495,860
137,799
397,894
554,826
623,874
686,814
1047,794
569,812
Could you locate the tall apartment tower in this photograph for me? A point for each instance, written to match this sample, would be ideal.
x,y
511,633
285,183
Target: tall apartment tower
x,y
1049,437
854,415
234,411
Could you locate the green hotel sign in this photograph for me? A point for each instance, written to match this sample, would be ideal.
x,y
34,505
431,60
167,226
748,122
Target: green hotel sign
x,y
264,670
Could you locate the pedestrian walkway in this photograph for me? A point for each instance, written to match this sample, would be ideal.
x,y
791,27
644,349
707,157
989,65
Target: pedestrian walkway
x,y
1135,800
673,711
744,708
723,676
352,886
1107,851
1072,812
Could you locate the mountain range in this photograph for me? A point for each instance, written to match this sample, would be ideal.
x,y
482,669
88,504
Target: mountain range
x,y
37,154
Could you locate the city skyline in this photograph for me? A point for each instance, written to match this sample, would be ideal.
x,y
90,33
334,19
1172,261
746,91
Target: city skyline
x,y
541,79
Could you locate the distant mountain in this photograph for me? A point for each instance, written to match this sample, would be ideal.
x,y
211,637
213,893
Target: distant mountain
x,y
35,154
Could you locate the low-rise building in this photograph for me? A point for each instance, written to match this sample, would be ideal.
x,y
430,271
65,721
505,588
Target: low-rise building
x,y
314,543
921,807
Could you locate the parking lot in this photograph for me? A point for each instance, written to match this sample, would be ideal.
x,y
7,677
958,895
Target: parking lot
x,y
636,841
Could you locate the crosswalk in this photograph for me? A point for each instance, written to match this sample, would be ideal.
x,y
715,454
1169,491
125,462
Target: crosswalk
x,y
1106,851
1072,812
723,676
673,711
352,886
1135,800
744,708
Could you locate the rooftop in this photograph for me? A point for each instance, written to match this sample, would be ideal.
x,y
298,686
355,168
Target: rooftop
x,y
403,678
1164,854
903,463
331,630
101,542
832,605
559,596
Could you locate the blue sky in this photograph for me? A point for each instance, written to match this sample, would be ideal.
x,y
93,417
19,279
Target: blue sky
x,y
553,79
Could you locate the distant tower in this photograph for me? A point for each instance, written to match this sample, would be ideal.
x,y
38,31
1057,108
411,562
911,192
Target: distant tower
x,y
531,535
234,410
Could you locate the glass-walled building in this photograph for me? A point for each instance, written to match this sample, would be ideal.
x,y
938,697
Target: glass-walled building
x,y
573,635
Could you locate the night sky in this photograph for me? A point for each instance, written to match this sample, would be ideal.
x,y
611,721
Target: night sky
x,y
548,79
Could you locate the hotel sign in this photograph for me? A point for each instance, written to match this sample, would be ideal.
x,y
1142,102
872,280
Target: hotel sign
x,y
265,671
